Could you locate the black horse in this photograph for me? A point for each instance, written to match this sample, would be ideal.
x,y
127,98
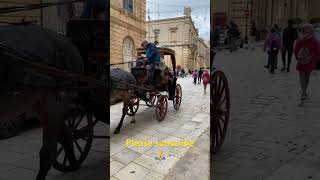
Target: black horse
x,y
24,89
122,87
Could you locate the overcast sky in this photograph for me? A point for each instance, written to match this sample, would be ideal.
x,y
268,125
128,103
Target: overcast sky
x,y
173,8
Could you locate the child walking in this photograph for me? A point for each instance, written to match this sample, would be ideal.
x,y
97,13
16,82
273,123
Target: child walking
x,y
194,75
272,46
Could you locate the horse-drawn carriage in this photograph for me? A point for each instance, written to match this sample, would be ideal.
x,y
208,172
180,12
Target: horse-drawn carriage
x,y
62,79
165,81
219,107
131,87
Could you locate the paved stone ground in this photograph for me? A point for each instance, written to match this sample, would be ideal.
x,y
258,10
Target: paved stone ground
x,y
271,135
195,164
19,159
189,123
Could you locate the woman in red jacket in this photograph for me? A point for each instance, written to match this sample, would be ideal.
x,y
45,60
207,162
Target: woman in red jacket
x,y
205,79
306,51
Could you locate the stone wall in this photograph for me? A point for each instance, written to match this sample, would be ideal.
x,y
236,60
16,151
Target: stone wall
x,y
186,36
33,15
126,25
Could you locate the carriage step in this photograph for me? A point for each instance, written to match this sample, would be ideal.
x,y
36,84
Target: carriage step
x,y
101,137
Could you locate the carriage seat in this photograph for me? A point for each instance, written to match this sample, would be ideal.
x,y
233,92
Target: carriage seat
x,y
140,73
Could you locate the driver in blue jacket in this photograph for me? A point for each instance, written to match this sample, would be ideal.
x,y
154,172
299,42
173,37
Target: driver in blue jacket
x,y
152,58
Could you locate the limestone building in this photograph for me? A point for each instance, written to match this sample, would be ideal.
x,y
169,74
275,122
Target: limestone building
x,y
203,54
267,12
34,15
127,31
53,17
179,34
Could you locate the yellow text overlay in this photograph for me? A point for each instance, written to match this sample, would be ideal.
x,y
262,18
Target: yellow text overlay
x,y
183,143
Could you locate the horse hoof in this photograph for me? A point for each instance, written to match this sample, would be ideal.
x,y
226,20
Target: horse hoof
x,y
117,131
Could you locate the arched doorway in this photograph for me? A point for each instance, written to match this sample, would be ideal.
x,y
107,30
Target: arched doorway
x,y
128,53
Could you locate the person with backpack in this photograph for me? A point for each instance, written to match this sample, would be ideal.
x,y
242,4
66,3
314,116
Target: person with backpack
x,y
307,52
272,46
290,34
205,80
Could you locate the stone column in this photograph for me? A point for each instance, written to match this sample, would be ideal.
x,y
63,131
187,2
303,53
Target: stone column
x,y
269,12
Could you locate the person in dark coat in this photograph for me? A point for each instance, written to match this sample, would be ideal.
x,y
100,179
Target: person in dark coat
x,y
290,34
253,34
200,75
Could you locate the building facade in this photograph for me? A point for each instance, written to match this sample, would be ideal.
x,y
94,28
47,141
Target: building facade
x,y
203,54
267,12
32,16
180,35
278,12
54,17
127,30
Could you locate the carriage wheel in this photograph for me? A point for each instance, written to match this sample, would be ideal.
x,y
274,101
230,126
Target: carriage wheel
x,y
220,110
161,107
151,99
76,141
177,98
134,103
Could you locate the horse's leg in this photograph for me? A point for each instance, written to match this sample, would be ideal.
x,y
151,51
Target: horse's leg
x,y
133,120
67,144
124,112
51,114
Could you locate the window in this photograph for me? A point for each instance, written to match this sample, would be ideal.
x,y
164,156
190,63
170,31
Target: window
x,y
128,51
128,6
156,34
173,36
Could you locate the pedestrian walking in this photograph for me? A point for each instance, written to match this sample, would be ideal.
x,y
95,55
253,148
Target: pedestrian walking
x,y
272,46
253,34
183,73
194,75
307,52
278,32
200,75
205,80
290,34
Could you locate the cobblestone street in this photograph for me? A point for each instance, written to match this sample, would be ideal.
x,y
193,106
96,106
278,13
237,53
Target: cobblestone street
x,y
19,158
271,134
189,123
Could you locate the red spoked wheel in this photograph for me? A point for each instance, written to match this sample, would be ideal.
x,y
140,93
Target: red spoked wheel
x,y
220,110
177,97
151,98
133,105
76,141
161,107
